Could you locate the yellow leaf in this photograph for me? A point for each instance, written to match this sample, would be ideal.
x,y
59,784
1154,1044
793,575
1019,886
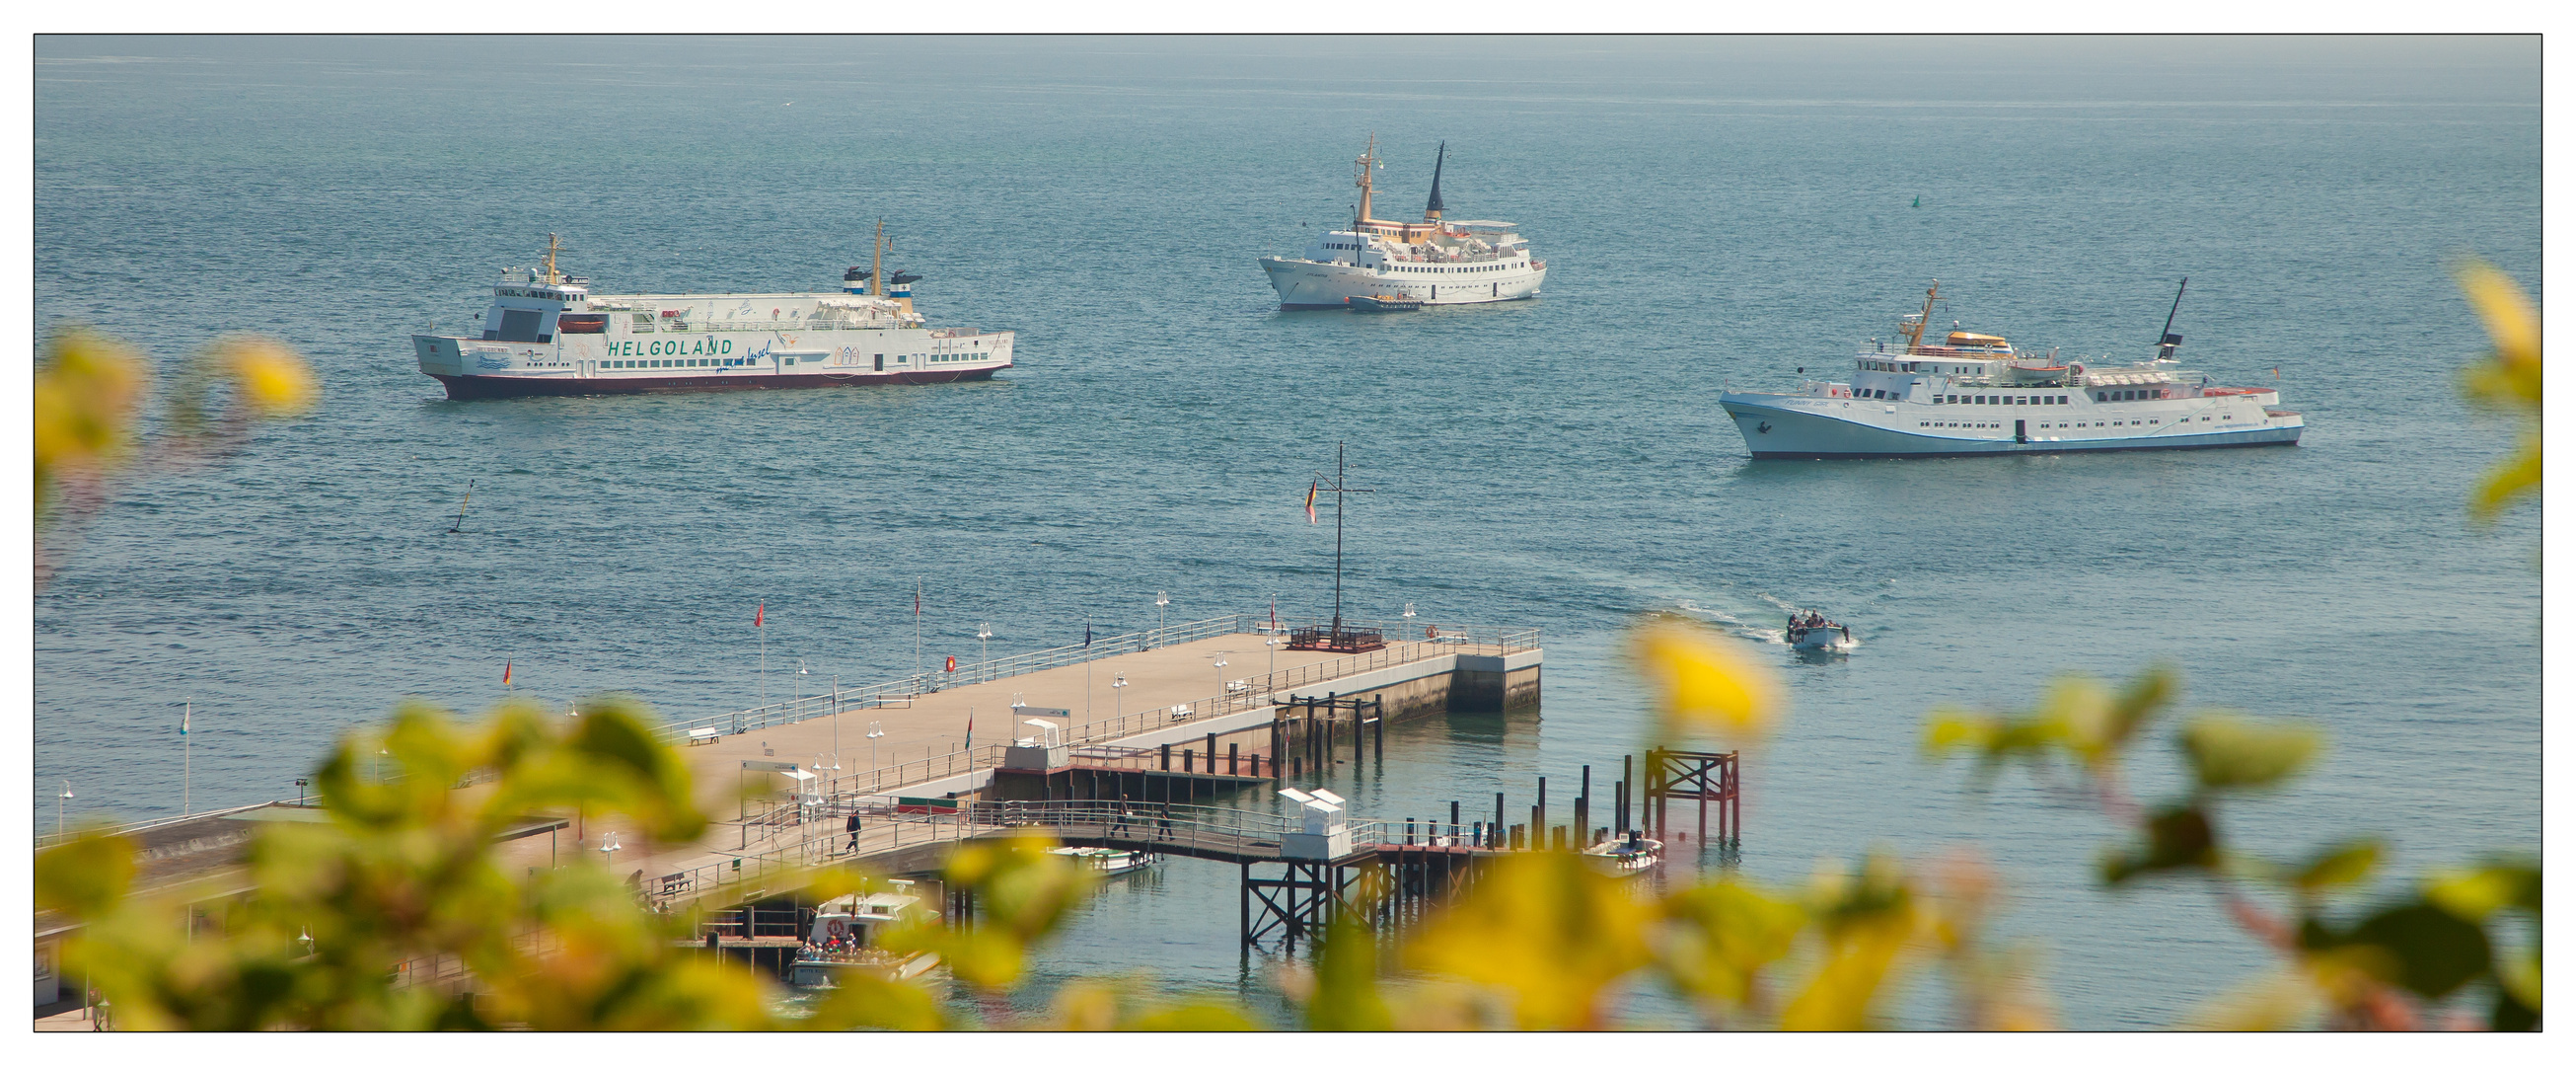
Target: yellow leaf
x,y
1857,964
1544,927
2508,314
273,381
1703,684
2229,751
1722,934
2282,999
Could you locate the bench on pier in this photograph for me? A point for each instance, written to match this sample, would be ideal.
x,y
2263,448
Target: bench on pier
x,y
1182,713
702,736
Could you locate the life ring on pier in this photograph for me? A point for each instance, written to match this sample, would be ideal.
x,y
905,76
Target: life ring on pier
x,y
1430,632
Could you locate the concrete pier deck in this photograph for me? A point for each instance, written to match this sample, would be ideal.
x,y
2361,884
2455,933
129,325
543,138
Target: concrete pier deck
x,y
1174,694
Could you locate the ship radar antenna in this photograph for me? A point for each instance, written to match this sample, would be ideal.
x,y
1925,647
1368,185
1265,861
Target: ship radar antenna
x,y
2171,340
552,246
1431,212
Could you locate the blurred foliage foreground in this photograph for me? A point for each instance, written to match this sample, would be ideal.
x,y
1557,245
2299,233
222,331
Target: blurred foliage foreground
x,y
404,870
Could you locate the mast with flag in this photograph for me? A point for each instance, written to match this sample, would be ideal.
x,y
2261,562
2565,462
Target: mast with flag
x,y
757,615
1335,639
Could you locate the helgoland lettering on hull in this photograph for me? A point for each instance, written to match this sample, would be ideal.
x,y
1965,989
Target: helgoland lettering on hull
x,y
546,334
1434,261
1973,395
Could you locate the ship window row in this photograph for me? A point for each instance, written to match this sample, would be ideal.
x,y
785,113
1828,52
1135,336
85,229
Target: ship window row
x,y
645,364
2043,399
1449,269
2130,394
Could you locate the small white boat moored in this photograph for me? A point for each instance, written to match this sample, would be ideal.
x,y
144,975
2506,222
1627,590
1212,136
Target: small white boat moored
x,y
1626,856
1110,861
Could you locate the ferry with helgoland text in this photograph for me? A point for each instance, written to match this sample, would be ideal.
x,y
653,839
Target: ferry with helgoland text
x,y
547,334
1389,265
1916,400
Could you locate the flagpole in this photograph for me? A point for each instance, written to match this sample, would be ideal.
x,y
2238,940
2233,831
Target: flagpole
x,y
1086,670
187,754
756,619
916,628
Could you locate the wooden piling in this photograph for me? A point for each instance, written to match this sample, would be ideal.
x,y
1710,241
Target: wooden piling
x,y
1538,817
1498,819
1583,806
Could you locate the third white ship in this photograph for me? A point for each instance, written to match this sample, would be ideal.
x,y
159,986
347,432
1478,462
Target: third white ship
x,y
1911,399
1434,261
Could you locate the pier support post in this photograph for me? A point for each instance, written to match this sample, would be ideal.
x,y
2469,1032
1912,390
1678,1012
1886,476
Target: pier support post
x,y
1233,752
1498,823
1167,758
1453,823
1627,789
1583,809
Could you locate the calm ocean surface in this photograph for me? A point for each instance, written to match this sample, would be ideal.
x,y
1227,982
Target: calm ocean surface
x,y
1713,211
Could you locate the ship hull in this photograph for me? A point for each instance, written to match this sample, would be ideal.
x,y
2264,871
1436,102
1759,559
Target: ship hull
x,y
476,387
1782,427
1312,286
482,370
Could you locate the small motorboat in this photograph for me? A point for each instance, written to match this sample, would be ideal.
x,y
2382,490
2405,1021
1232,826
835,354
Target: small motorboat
x,y
1110,861
1625,856
1815,633
1382,303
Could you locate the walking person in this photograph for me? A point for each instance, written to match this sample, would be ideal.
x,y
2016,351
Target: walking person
x,y
854,834
1165,822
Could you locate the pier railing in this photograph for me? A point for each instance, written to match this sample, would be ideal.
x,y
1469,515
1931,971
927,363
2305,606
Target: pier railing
x,y
1440,640
1251,693
823,841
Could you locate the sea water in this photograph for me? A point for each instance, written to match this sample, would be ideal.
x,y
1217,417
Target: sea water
x,y
1714,212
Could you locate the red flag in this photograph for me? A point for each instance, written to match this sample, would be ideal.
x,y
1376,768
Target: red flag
x,y
756,612
916,601
505,669
970,729
1310,501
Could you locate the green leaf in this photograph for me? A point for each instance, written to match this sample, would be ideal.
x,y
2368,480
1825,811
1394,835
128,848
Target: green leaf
x,y
2177,838
2476,894
2231,751
2435,950
2345,864
86,876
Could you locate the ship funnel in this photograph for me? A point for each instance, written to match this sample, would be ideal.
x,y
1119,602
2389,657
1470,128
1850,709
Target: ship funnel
x,y
1431,211
855,280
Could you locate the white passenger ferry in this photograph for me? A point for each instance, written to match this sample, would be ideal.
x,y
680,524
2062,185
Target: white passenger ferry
x,y
547,334
1431,262
1913,399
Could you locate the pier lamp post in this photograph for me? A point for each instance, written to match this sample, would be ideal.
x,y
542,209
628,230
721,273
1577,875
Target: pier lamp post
x,y
985,633
1274,653
1408,616
796,688
1160,601
58,808
1117,693
875,731
1220,678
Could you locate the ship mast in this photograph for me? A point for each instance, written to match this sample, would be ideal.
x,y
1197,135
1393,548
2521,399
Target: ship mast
x,y
552,246
1914,331
1367,164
